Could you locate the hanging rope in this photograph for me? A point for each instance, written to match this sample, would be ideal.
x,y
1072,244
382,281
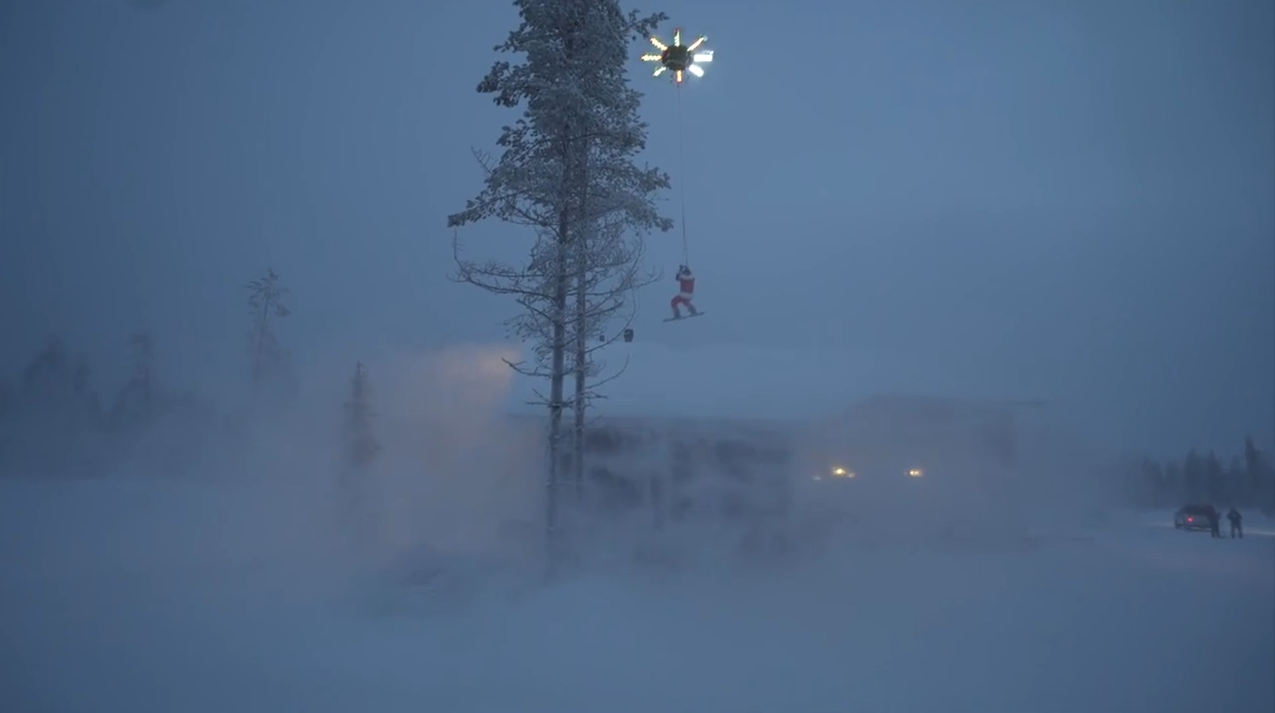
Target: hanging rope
x,y
681,150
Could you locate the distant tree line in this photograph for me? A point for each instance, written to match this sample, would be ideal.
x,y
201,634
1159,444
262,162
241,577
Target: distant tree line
x,y
1243,481
54,417
55,421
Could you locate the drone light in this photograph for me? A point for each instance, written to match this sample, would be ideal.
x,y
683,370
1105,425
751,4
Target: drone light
x,y
676,58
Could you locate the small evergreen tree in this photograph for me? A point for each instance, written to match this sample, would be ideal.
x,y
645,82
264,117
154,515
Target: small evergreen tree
x,y
361,444
46,380
59,387
361,449
1261,476
1214,478
8,413
1194,476
1237,489
136,403
268,359
1147,492
6,401
1173,485
57,408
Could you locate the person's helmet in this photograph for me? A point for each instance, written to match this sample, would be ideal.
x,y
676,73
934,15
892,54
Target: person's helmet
x,y
683,268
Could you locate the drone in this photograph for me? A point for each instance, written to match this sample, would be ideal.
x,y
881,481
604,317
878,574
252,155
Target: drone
x,y
679,58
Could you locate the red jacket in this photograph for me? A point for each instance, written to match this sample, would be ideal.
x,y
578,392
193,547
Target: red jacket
x,y
686,283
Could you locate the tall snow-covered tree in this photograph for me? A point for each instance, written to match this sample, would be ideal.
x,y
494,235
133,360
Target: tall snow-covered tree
x,y
568,171
268,360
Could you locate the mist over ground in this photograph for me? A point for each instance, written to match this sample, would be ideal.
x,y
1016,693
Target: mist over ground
x,y
236,585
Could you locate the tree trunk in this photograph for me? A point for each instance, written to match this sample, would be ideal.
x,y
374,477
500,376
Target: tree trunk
x,y
557,380
579,405
261,341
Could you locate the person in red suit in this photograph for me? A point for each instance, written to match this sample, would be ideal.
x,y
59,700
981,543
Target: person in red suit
x,y
686,290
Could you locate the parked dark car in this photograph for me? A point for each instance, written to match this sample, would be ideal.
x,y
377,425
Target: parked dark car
x,y
1194,517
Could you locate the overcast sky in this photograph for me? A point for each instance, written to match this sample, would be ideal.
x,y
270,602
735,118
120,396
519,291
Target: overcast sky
x,y
1069,199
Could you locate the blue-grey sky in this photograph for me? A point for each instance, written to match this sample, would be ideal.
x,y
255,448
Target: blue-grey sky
x,y
1070,200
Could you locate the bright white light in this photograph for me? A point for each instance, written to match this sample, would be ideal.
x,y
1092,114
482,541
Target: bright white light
x,y
688,55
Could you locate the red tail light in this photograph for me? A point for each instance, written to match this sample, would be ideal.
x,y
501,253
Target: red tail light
x,y
1190,519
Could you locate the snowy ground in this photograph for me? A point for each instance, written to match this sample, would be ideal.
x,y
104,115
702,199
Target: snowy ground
x,y
138,597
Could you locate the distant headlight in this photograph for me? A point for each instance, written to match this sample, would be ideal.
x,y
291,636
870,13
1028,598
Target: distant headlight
x,y
915,473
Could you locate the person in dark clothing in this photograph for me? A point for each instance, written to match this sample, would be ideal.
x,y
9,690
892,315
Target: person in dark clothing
x,y
1237,523
1215,521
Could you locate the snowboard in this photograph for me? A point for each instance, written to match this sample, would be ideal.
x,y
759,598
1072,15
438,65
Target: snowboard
x,y
689,316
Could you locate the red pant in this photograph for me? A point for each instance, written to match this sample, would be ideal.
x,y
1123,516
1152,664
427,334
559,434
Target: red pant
x,y
682,300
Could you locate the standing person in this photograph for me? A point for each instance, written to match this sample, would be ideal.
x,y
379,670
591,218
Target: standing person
x,y
1215,521
1237,523
686,291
